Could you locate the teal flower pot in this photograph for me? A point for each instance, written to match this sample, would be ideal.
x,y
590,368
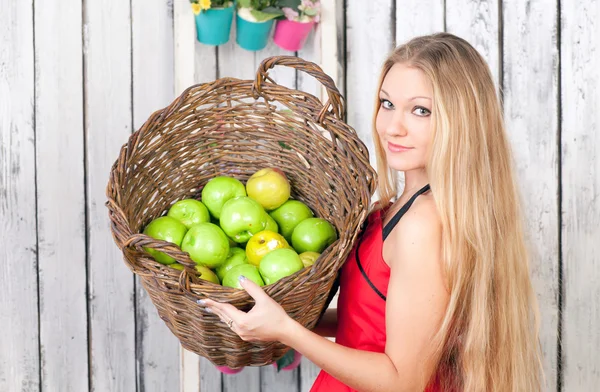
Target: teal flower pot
x,y
214,25
252,35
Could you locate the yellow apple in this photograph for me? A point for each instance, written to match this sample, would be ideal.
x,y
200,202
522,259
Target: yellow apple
x,y
269,187
262,243
309,258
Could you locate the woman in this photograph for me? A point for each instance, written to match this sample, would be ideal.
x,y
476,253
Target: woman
x,y
438,296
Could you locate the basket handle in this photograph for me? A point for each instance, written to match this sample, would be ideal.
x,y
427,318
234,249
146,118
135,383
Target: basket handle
x,y
336,101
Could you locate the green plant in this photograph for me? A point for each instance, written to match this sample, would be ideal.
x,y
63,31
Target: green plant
x,y
262,10
301,10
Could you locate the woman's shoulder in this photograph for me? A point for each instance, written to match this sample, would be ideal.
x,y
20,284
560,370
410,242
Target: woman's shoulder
x,y
422,213
421,225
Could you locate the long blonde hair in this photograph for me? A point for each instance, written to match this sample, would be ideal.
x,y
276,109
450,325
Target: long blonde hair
x,y
489,339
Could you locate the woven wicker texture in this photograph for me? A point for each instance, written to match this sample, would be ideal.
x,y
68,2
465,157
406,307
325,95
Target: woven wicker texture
x,y
235,127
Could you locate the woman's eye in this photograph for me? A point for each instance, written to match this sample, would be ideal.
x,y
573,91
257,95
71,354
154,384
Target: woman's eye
x,y
421,111
386,104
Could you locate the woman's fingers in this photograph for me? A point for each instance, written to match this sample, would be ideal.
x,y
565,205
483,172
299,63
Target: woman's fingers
x,y
226,312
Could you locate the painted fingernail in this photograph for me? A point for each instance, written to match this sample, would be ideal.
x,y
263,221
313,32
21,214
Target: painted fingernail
x,y
201,302
242,278
207,310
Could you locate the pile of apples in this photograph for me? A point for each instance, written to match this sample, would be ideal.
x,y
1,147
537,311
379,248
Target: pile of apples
x,y
254,230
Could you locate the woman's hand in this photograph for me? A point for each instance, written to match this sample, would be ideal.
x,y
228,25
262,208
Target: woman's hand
x,y
265,322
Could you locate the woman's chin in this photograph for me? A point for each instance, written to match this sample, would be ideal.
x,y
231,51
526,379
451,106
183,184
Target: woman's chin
x,y
400,165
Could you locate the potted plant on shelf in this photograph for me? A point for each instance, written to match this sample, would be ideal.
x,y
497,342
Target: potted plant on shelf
x,y
213,20
300,17
254,21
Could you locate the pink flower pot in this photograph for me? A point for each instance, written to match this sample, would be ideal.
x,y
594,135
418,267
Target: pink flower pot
x,y
291,35
228,370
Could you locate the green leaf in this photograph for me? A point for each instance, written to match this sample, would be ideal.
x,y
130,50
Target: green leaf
x,y
293,4
272,10
310,12
286,360
264,16
243,3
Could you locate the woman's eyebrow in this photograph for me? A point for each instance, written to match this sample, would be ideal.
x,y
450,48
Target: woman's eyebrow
x,y
412,99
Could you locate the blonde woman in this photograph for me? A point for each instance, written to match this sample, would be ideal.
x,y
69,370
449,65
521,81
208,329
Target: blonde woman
x,y
436,294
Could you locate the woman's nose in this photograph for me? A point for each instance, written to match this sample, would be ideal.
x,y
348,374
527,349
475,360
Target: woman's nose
x,y
396,126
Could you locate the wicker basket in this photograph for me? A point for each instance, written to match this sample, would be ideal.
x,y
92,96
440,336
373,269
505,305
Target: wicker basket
x,y
234,127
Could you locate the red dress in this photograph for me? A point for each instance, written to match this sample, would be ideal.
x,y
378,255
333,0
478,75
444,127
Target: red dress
x,y
363,289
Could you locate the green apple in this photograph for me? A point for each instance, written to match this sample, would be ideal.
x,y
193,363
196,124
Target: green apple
x,y
167,229
218,191
289,215
270,187
204,272
278,264
271,224
313,234
207,244
189,212
208,275
231,278
235,257
241,218
176,266
309,258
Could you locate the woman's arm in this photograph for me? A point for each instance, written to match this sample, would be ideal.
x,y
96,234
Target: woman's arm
x,y
327,326
416,303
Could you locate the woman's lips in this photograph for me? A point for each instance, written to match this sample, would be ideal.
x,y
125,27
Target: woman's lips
x,y
397,147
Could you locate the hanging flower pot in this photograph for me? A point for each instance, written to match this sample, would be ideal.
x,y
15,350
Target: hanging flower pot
x,y
291,33
254,21
213,20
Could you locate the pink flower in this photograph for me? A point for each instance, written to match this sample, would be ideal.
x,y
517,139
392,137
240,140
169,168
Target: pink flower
x,y
289,13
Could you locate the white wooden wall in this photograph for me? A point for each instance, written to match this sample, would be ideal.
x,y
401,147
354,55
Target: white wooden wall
x,y
77,77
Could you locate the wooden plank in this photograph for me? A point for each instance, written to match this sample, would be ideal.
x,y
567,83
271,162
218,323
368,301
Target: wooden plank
x,y
580,136
477,21
157,349
205,68
248,380
233,61
531,76
205,71
184,31
308,374
61,195
326,45
108,123
273,381
19,356
366,50
211,379
184,57
311,52
418,17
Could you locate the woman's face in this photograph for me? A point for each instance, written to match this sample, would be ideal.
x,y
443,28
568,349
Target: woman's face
x,y
404,119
